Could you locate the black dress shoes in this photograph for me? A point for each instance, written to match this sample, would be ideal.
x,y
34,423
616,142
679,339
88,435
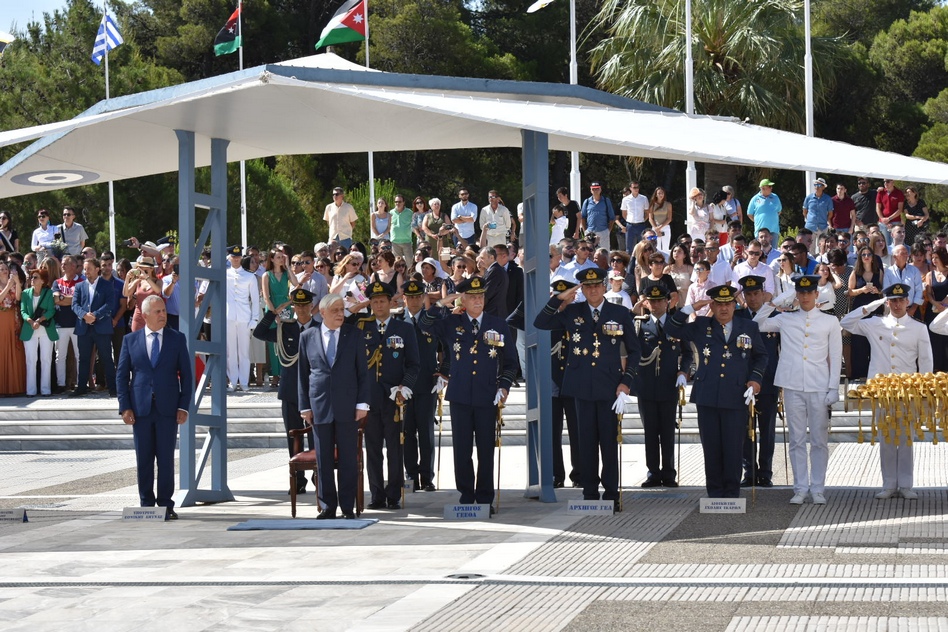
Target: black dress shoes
x,y
376,504
348,515
747,481
393,504
79,392
300,487
325,514
652,481
764,482
113,392
576,485
557,484
429,487
171,515
670,483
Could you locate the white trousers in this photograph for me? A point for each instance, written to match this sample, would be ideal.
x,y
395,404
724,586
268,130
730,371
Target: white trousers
x,y
238,353
67,336
807,411
897,461
38,348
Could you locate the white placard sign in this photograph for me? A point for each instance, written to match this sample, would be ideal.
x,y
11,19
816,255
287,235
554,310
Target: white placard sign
x,y
590,507
466,512
723,505
144,514
13,515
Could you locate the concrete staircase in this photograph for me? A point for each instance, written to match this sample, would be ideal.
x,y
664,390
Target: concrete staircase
x,y
254,421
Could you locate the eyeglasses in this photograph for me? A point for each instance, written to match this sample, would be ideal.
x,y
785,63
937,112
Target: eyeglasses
x,y
42,217
656,263
399,201
336,194
635,186
419,202
866,255
491,197
584,249
306,262
753,253
353,263
68,215
296,264
617,260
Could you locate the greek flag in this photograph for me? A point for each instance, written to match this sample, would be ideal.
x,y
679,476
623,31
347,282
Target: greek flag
x,y
106,39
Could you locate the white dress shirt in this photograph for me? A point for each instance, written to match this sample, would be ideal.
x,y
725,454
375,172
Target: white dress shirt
x,y
813,346
899,345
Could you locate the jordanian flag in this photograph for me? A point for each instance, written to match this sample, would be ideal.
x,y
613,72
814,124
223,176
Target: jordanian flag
x,y
347,25
228,39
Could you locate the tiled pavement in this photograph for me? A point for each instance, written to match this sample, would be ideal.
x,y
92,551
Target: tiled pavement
x,y
855,564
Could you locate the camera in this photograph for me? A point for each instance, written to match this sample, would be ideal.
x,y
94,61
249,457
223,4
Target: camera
x,y
175,269
128,243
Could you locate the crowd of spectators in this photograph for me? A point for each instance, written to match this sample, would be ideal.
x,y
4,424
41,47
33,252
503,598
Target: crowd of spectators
x,y
857,245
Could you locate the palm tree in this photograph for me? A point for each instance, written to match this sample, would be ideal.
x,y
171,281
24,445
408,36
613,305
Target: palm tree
x,y
748,60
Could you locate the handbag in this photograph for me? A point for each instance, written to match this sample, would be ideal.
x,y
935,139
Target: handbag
x,y
39,312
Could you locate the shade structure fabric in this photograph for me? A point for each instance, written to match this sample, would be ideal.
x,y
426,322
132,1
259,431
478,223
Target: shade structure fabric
x,y
322,104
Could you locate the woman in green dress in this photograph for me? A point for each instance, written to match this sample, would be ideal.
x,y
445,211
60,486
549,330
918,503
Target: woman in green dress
x,y
276,294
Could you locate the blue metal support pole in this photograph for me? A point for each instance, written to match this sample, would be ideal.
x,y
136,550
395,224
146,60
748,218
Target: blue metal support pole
x,y
192,242
536,269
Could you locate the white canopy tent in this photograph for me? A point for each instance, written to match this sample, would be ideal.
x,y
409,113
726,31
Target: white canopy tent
x,y
322,104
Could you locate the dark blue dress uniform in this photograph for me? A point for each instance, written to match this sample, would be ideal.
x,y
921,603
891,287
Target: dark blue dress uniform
x,y
477,366
561,405
762,471
420,411
724,366
663,357
288,391
392,357
593,373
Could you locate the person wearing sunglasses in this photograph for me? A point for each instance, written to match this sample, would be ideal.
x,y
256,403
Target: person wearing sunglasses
x,y
73,234
341,218
38,332
753,266
43,236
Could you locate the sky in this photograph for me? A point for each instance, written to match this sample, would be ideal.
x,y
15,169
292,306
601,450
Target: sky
x,y
22,11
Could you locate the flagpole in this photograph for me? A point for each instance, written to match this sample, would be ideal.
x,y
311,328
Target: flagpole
x,y
371,153
243,165
105,6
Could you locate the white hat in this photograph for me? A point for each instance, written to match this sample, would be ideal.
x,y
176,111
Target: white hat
x,y
439,271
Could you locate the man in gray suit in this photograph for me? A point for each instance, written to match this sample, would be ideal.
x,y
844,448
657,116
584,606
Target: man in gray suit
x,y
334,395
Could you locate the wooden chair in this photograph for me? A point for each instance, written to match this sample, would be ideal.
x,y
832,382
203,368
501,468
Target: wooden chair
x,y
306,462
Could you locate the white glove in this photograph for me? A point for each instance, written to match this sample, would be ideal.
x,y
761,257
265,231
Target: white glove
x,y
404,390
832,396
439,385
749,398
873,306
786,299
499,396
681,381
621,400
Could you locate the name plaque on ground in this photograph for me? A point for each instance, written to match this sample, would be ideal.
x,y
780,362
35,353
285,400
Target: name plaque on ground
x,y
466,512
13,515
144,514
723,505
590,507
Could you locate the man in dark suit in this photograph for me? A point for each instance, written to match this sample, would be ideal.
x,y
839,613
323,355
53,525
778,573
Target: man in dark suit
x,y
759,455
731,362
420,411
92,303
480,358
286,335
515,283
495,282
663,369
392,354
334,394
155,391
594,377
